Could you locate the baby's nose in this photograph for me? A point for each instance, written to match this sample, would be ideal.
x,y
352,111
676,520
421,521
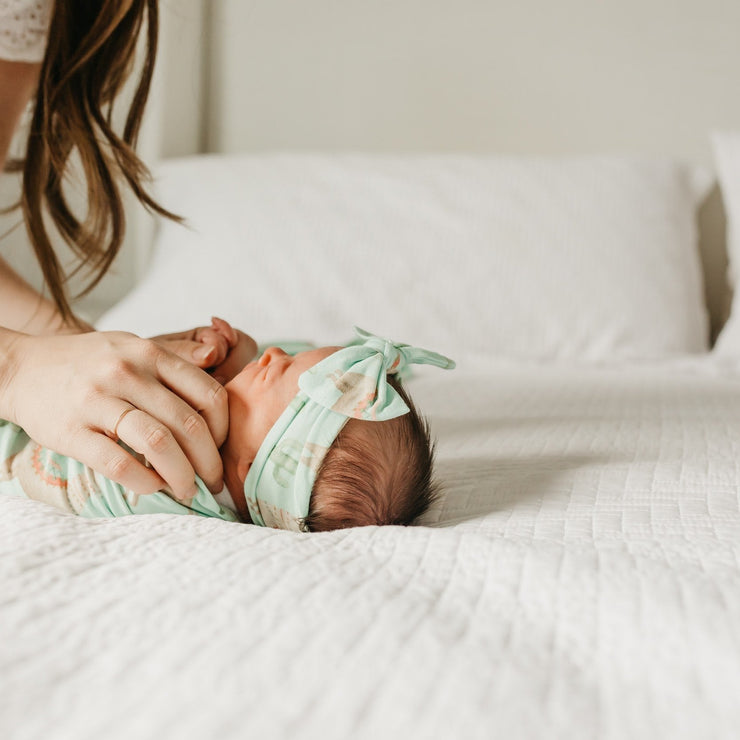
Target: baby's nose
x,y
270,354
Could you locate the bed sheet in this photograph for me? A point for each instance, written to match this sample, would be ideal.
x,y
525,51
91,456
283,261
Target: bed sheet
x,y
578,578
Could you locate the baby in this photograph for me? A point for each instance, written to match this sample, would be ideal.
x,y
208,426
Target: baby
x,y
322,440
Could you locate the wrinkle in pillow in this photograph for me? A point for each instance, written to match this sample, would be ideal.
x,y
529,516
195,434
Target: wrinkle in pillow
x,y
591,258
726,148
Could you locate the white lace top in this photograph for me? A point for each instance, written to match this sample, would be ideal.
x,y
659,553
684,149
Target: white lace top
x,y
23,28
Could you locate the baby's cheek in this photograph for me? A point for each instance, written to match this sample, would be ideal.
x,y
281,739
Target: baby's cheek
x,y
249,430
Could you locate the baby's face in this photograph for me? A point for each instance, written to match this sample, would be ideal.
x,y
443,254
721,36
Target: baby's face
x,y
258,395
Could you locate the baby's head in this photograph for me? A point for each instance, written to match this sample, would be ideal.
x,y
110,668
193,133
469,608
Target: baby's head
x,y
328,439
375,473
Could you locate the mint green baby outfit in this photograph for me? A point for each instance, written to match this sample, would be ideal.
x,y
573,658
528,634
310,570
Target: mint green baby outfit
x,y
34,472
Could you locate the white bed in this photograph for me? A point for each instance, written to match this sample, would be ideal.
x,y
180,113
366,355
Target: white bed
x,y
579,576
579,579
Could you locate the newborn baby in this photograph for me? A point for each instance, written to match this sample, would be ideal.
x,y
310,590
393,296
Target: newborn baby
x,y
321,440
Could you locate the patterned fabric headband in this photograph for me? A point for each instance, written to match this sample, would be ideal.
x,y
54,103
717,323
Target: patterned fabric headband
x,y
350,383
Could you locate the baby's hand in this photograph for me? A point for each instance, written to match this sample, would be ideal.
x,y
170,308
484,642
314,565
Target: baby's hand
x,y
241,349
220,337
218,348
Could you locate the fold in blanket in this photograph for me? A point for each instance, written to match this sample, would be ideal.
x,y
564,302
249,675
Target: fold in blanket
x,y
34,472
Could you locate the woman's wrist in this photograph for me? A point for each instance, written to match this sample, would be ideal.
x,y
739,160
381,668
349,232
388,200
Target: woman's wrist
x,y
13,347
64,327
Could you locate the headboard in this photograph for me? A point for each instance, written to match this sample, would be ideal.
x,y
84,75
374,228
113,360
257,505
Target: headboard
x,y
527,77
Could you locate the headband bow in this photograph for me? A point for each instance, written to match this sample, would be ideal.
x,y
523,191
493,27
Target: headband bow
x,y
357,387
351,383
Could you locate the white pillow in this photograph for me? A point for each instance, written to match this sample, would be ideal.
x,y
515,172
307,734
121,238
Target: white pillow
x,y
591,258
727,158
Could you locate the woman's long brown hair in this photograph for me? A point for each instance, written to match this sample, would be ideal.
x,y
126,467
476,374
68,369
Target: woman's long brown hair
x,y
91,50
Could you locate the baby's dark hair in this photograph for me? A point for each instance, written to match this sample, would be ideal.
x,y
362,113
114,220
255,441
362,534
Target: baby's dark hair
x,y
376,472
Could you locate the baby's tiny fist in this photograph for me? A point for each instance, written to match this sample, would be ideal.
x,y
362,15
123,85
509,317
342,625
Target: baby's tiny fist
x,y
225,329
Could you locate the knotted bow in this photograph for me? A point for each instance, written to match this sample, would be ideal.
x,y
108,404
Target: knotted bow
x,y
350,383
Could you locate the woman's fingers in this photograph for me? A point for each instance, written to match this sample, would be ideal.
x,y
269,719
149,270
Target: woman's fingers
x,y
174,437
154,440
215,339
205,346
207,349
194,408
188,412
196,412
167,429
114,462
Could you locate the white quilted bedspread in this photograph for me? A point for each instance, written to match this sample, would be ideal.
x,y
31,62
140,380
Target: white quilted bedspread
x,y
579,579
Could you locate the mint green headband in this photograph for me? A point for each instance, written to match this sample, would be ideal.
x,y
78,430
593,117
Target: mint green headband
x,y
351,383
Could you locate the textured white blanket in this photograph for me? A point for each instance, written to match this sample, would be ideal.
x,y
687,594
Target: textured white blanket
x,y
579,579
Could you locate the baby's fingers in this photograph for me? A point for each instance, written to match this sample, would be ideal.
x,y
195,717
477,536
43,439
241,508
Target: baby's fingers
x,y
244,351
226,329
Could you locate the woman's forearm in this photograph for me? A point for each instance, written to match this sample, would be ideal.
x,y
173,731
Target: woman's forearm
x,y
22,309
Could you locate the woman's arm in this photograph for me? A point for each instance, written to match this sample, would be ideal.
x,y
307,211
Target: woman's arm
x,y
23,309
69,392
79,394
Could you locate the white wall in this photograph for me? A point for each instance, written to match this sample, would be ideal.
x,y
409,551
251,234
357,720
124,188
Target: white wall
x,y
527,76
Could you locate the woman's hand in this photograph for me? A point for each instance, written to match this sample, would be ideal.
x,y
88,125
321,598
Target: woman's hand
x,y
218,348
78,394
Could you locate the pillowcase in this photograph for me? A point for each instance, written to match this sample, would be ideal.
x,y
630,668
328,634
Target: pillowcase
x,y
726,148
590,258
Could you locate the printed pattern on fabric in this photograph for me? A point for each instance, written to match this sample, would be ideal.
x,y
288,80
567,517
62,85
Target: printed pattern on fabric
x,y
24,25
28,470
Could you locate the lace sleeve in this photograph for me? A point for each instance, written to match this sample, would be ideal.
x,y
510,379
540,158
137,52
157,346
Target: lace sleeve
x,y
23,28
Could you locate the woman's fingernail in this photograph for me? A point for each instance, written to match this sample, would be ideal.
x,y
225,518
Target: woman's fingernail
x,y
204,353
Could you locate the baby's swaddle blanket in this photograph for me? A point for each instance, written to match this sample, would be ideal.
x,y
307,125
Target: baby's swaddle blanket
x,y
31,471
